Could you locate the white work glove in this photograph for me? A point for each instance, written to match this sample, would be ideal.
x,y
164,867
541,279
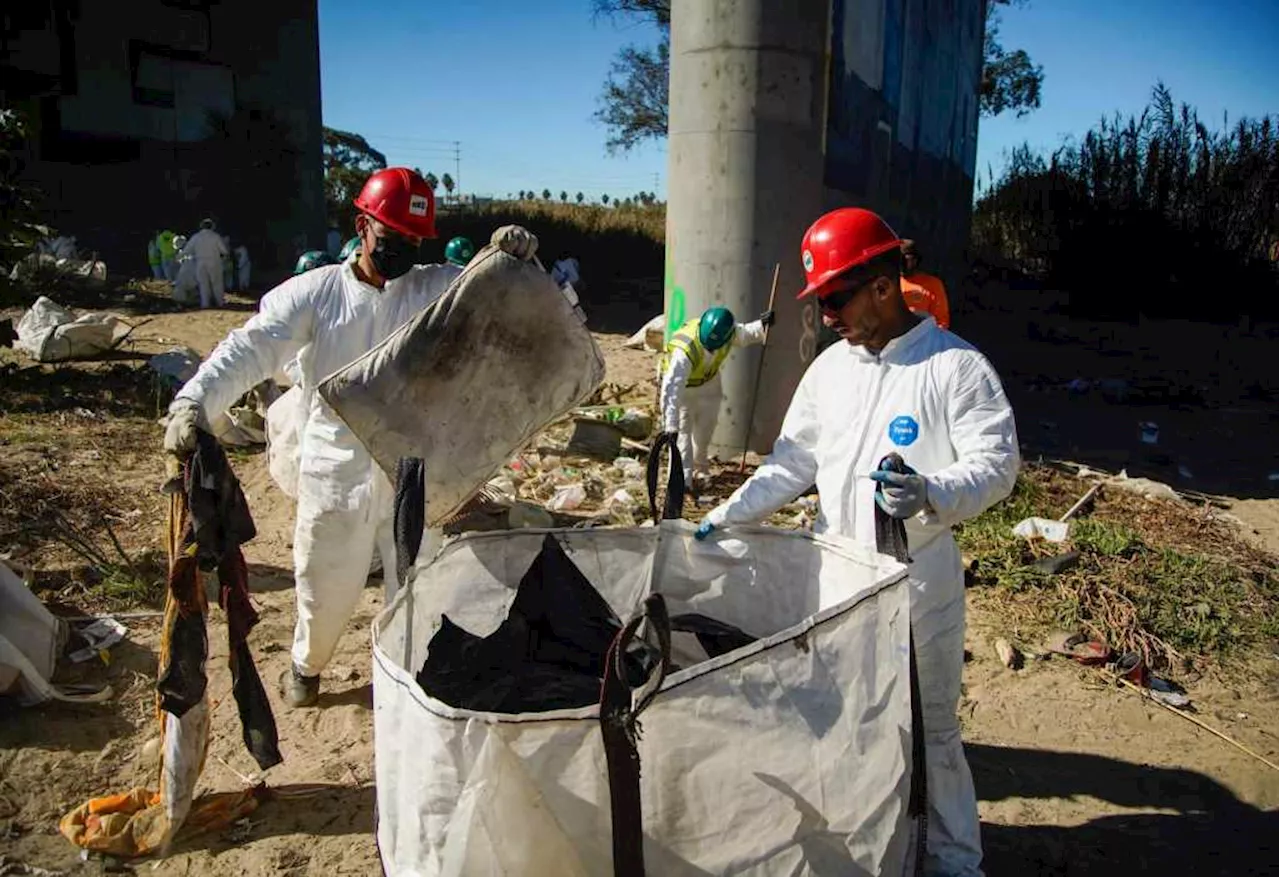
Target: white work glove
x,y
185,416
900,496
516,240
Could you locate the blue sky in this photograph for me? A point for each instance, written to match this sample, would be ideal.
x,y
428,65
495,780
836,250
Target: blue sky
x,y
516,82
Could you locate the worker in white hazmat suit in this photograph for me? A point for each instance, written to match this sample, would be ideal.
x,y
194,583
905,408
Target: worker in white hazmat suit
x,y
689,388
207,248
242,267
329,317
899,384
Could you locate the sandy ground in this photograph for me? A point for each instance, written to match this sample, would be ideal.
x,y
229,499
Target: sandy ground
x,y
1073,777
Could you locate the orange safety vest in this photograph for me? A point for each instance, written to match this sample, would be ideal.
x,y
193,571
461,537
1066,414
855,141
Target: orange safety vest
x,y
925,294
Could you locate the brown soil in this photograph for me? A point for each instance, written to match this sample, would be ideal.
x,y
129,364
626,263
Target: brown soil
x,y
1074,776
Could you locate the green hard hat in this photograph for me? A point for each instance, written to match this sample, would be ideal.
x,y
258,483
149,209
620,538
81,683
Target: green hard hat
x,y
348,248
716,328
459,251
312,259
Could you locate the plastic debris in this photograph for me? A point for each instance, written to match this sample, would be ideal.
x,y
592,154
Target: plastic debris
x,y
1042,528
1150,432
1009,656
567,498
101,635
631,469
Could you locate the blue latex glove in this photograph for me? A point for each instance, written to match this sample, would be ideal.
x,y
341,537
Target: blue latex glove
x,y
900,495
704,530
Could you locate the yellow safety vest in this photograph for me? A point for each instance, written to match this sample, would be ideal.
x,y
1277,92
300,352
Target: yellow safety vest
x,y
706,364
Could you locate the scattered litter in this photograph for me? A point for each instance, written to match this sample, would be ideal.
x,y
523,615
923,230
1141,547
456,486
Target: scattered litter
x,y
343,673
13,868
623,499
1057,564
649,336
101,635
567,498
1184,472
1150,432
1168,693
595,438
1042,528
1079,385
629,468
1144,487
1009,656
176,366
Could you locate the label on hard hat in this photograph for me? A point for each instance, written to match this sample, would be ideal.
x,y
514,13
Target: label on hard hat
x,y
903,430
807,258
418,205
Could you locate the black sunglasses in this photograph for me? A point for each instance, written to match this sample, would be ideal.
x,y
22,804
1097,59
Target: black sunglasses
x,y
834,302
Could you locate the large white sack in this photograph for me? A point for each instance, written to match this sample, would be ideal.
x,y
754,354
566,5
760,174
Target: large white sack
x,y
51,333
471,379
30,639
789,756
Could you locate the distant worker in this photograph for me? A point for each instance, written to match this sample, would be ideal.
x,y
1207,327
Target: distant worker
x,y
207,248
459,251
689,398
242,267
565,270
168,254
925,294
327,318
153,257
312,259
228,266
351,246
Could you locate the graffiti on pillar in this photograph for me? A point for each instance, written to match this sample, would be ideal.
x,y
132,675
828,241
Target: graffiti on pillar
x,y
808,331
675,296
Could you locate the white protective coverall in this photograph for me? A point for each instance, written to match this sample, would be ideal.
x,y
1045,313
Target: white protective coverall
x,y
692,412
242,267
934,399
327,318
207,248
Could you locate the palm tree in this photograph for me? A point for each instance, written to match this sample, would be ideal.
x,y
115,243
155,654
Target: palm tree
x,y
579,197
447,182
432,181
546,194
604,199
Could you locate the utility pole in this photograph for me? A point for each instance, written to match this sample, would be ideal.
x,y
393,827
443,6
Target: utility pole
x,y
457,171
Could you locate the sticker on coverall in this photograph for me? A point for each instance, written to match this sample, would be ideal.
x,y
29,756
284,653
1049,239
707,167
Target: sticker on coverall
x,y
903,430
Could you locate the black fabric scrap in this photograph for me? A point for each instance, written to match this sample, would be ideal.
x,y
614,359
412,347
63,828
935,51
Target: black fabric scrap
x,y
410,514
548,653
257,723
182,681
220,519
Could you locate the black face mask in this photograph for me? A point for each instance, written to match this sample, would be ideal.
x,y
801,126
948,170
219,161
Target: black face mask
x,y
393,256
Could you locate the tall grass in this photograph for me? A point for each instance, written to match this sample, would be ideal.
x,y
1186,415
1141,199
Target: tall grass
x,y
1139,209
610,242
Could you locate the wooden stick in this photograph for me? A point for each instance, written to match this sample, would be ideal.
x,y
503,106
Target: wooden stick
x,y
1191,718
1080,503
755,392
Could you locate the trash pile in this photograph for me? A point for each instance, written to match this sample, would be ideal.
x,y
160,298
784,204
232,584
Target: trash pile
x,y
49,332
59,255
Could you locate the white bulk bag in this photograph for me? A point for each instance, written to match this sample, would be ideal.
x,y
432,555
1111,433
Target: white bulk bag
x,y
791,755
471,379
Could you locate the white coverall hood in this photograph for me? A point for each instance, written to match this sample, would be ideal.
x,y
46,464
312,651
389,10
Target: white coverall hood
x,y
936,400
327,318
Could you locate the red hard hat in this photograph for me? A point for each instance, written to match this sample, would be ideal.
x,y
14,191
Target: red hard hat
x,y
840,240
399,198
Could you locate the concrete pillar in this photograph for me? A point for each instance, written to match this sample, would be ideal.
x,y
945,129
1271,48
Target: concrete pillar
x,y
747,110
